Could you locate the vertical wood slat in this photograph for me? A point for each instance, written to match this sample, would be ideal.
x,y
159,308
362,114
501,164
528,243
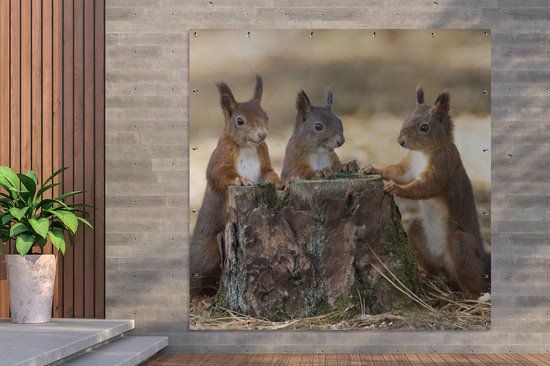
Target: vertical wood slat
x,y
99,160
15,85
4,81
36,96
78,149
68,280
15,96
47,100
4,127
57,129
26,88
51,111
88,155
16,34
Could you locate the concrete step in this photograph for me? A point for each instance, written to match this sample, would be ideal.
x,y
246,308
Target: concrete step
x,y
125,351
42,344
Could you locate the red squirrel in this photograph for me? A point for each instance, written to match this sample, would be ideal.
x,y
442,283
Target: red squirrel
x,y
310,149
240,158
446,239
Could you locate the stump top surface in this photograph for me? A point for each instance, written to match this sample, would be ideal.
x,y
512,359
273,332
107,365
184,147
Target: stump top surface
x,y
341,178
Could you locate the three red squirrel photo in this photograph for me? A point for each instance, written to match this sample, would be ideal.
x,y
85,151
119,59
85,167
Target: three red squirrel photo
x,y
340,179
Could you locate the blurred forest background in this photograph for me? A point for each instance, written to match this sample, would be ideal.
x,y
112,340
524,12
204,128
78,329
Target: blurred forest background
x,y
373,75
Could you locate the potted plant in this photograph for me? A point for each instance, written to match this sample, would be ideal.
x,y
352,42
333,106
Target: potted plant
x,y
31,221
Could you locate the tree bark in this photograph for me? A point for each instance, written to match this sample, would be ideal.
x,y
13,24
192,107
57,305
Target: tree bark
x,y
317,246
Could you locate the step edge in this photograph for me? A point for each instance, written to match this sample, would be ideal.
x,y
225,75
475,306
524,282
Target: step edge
x,y
82,344
158,343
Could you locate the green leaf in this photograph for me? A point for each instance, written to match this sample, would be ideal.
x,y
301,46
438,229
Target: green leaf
x,y
81,219
18,229
7,187
80,212
6,203
57,172
71,237
32,174
58,239
8,178
4,235
28,184
45,188
18,213
45,204
41,226
69,194
69,219
48,203
24,243
6,218
80,205
41,242
58,224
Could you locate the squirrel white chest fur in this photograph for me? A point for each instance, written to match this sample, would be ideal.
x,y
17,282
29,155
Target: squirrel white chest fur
x,y
319,160
248,163
434,211
419,162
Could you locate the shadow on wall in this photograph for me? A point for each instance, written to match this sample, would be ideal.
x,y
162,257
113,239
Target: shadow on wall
x,y
508,149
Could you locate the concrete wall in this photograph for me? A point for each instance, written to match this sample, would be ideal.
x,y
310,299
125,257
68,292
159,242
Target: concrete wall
x,y
147,156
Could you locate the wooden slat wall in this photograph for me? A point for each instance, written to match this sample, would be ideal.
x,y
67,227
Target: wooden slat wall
x,y
52,115
5,70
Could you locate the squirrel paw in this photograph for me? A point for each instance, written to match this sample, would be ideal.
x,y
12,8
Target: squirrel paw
x,y
274,178
243,181
286,184
324,173
391,187
350,167
279,184
369,169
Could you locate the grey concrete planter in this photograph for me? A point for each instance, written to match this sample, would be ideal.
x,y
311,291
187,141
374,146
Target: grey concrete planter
x,y
31,281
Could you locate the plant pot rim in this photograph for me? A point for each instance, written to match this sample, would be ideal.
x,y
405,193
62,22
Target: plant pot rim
x,y
28,255
31,257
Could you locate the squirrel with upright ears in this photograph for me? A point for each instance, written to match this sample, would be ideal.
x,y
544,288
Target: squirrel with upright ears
x,y
240,158
310,149
447,238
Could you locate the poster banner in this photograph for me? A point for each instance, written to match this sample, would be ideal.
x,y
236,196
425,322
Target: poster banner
x,y
340,179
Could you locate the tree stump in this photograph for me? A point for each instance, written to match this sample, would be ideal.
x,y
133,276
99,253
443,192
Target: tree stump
x,y
314,247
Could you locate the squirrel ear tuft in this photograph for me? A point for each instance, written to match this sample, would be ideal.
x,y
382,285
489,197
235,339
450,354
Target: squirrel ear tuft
x,y
419,95
328,98
303,105
258,89
227,100
442,103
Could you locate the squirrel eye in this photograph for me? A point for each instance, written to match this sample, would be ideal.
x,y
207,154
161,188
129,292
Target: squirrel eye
x,y
319,126
424,127
240,121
